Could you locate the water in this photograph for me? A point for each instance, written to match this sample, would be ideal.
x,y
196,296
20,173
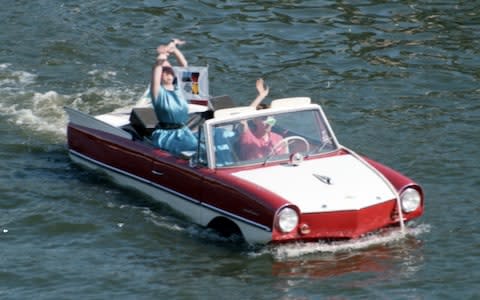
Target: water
x,y
399,81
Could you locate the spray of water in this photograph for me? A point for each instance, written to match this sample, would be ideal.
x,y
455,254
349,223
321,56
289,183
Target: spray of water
x,y
23,105
296,250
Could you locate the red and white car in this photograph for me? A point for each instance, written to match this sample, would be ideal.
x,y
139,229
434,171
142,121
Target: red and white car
x,y
314,189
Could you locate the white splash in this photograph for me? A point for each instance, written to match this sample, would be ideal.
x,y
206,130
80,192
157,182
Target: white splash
x,y
45,114
103,75
294,250
42,112
14,80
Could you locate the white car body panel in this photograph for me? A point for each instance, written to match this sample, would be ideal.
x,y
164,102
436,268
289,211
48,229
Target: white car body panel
x,y
353,185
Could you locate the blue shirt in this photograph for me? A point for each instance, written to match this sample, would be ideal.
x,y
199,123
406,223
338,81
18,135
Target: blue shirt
x,y
171,107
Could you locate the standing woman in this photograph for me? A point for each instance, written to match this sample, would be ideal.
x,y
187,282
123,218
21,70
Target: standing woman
x,y
170,107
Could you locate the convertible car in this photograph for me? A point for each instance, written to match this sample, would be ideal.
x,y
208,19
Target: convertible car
x,y
307,187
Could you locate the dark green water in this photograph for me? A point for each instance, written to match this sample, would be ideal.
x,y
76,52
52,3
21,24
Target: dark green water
x,y
399,81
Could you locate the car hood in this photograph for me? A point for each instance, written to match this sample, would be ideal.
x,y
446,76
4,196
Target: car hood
x,y
334,183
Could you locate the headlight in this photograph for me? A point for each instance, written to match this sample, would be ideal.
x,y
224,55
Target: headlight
x,y
410,199
287,219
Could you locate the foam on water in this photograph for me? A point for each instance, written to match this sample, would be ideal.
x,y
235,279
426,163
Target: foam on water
x,y
14,80
295,250
42,112
45,114
162,222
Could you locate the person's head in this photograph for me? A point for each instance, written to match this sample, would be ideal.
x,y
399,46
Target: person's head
x,y
168,75
262,106
264,123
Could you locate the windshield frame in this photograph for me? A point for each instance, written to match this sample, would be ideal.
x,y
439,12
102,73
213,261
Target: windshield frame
x,y
210,125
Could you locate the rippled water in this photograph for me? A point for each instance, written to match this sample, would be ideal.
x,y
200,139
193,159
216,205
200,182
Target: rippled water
x,y
399,81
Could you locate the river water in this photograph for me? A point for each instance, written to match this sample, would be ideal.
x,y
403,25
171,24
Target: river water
x,y
399,81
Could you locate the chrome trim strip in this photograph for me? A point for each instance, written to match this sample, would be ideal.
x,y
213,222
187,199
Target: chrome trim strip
x,y
385,180
236,217
182,196
132,176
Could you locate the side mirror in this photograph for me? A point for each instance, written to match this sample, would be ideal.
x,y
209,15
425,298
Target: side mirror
x,y
190,156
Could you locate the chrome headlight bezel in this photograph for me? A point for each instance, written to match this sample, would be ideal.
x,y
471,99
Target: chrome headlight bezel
x,y
411,199
287,219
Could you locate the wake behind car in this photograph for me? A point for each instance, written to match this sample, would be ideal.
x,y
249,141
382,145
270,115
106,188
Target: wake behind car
x,y
306,187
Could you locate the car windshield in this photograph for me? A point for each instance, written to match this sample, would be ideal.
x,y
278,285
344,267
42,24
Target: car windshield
x,y
271,137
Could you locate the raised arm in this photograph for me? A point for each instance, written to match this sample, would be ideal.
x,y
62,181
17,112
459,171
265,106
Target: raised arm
x,y
262,90
172,48
156,79
163,52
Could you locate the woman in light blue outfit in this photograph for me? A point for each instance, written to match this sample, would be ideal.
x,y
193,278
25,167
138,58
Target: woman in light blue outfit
x,y
170,107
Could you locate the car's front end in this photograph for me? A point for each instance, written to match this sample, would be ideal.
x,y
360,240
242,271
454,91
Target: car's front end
x,y
335,197
318,189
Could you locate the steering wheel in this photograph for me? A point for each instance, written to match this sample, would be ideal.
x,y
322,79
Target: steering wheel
x,y
324,144
288,140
